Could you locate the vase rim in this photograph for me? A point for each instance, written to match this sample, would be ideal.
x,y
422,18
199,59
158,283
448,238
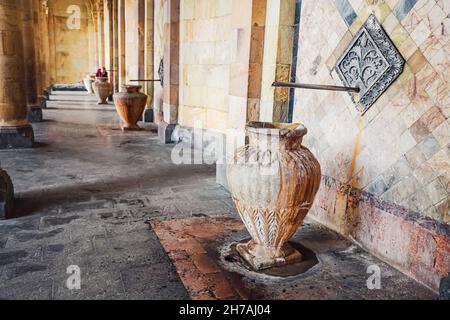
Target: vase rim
x,y
277,128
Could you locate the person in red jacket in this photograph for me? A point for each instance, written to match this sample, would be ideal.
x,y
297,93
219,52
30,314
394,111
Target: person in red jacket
x,y
102,73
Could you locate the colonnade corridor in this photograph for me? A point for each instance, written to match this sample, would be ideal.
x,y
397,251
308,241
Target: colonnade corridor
x,y
210,150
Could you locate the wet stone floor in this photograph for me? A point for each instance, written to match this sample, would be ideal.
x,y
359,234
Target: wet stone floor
x,y
108,203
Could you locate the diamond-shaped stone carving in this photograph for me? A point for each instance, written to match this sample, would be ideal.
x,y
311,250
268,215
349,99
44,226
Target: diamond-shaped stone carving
x,y
371,63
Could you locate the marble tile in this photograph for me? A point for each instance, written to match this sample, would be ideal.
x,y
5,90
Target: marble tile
x,y
442,133
346,10
422,7
421,33
445,5
403,7
390,23
432,45
417,61
435,17
411,21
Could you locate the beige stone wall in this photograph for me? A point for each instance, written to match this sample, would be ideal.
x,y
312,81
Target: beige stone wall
x,y
132,39
205,58
69,49
399,150
158,47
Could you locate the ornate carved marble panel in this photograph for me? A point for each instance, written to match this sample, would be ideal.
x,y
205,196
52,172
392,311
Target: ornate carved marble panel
x,y
371,63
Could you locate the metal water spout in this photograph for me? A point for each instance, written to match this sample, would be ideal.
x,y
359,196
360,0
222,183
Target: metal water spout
x,y
315,87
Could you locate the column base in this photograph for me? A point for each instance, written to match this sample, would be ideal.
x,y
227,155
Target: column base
x,y
260,258
46,94
6,196
165,132
35,114
16,137
149,116
42,102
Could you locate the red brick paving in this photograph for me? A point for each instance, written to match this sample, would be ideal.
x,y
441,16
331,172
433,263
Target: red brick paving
x,y
184,241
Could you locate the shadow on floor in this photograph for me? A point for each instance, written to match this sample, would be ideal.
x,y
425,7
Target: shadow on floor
x,y
30,202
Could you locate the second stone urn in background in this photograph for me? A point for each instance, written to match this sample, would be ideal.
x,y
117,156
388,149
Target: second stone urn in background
x,y
88,82
273,181
103,89
130,104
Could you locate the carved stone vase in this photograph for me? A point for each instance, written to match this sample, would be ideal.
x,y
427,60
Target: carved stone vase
x,y
88,82
102,89
130,104
273,181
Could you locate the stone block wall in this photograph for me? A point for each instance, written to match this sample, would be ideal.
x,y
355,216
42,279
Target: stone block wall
x,y
205,58
387,172
69,61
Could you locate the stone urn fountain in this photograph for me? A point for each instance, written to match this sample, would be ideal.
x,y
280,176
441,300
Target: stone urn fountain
x,y
130,104
102,89
88,82
273,181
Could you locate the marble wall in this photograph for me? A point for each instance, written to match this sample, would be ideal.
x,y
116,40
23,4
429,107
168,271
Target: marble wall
x,y
386,182
399,150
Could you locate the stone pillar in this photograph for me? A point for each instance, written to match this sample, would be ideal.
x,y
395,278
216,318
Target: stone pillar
x,y
256,59
134,21
279,29
15,130
122,43
29,48
115,23
158,55
107,30
149,58
101,33
6,195
171,70
241,26
109,38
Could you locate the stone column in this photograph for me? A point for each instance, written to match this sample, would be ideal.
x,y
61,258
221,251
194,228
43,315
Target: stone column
x,y
15,130
171,70
149,58
29,48
122,42
109,38
241,27
277,61
158,55
44,49
256,59
115,23
101,33
6,195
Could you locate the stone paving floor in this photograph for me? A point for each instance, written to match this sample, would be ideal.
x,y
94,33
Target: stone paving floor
x,y
87,196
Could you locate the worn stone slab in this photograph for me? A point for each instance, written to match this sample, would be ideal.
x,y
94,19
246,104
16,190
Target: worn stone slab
x,y
198,246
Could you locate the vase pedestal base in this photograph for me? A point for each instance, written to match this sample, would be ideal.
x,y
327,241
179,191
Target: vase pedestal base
x,y
261,258
131,128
